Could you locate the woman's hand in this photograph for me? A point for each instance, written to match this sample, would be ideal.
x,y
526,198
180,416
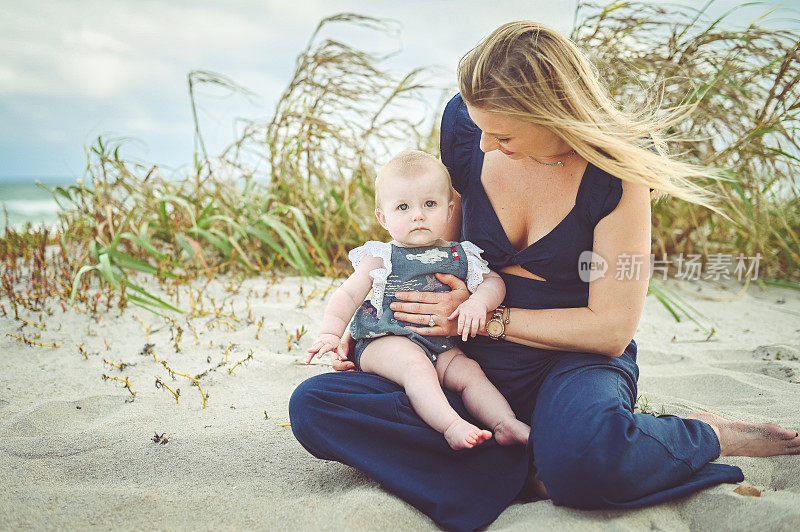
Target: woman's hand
x,y
339,358
420,307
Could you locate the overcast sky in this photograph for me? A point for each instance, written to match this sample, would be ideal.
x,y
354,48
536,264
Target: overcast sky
x,y
70,71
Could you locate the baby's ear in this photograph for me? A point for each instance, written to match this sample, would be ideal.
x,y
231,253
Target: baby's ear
x,y
451,207
381,217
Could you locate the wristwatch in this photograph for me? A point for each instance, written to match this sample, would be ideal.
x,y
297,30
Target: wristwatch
x,y
496,326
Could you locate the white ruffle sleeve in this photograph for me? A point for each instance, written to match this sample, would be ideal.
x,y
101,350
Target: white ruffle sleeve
x,y
383,251
476,266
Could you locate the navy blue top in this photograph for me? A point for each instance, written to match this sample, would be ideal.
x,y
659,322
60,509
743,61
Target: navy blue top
x,y
554,256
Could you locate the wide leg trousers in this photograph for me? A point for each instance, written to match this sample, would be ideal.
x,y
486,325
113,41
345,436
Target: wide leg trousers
x,y
589,448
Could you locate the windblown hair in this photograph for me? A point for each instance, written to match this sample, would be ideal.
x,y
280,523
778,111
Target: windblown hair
x,y
533,73
410,163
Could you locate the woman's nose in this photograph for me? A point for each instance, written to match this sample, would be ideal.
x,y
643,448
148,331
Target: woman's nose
x,y
488,143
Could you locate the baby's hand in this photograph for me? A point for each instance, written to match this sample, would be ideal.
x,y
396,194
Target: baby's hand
x,y
325,342
471,317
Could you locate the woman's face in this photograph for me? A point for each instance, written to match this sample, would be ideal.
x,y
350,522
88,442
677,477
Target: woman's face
x,y
516,138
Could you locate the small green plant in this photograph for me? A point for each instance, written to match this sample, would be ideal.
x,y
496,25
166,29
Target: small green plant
x,y
643,405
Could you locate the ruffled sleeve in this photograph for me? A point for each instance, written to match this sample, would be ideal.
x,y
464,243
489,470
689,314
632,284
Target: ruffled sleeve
x,y
601,195
383,251
476,266
459,137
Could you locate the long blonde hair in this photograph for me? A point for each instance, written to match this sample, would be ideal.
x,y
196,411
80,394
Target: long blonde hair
x,y
533,73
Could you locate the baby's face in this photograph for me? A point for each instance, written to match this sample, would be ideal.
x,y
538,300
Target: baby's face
x,y
415,209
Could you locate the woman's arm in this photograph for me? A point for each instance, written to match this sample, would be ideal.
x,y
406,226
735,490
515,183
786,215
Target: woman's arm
x,y
607,324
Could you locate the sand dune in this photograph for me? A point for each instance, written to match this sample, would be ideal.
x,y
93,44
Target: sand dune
x,y
77,451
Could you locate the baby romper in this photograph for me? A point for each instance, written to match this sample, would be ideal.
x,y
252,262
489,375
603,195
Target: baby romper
x,y
407,269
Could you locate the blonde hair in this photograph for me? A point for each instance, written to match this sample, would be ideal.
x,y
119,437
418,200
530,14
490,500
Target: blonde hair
x,y
533,73
410,163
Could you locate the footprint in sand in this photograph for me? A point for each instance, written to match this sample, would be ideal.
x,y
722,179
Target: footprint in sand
x,y
776,370
58,417
784,352
60,428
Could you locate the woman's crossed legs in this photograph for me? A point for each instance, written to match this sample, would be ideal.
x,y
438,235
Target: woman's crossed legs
x,y
399,359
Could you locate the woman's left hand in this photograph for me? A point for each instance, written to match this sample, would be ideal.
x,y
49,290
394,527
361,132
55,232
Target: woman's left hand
x,y
420,307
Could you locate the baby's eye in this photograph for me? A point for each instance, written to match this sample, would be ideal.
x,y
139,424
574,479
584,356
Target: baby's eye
x,y
402,207
430,203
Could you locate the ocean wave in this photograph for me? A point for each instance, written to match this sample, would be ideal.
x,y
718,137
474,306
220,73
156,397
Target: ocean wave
x,y
31,207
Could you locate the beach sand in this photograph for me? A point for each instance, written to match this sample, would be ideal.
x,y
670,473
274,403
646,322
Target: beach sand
x,y
78,451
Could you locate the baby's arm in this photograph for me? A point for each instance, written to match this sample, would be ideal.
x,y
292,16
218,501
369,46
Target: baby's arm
x,y
472,312
343,304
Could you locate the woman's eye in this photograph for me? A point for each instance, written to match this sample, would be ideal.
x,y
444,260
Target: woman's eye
x,y
402,207
502,141
430,203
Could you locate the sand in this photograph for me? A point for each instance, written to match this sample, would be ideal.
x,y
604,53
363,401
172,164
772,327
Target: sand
x,y
77,451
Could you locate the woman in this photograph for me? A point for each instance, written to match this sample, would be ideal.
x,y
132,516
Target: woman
x,y
548,170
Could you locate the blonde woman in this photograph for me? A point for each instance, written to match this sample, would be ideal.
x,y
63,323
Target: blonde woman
x,y
555,182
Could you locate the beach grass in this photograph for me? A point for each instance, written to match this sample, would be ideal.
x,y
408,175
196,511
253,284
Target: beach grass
x,y
295,193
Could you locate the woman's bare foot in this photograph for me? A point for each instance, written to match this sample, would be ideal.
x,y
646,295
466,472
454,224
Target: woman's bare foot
x,y
463,435
737,438
511,432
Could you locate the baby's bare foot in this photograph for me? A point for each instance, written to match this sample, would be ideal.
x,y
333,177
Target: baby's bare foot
x,y
737,438
511,431
463,435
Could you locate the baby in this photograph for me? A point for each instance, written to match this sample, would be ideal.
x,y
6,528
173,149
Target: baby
x,y
414,203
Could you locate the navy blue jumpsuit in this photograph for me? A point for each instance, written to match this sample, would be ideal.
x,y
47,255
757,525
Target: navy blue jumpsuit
x,y
590,449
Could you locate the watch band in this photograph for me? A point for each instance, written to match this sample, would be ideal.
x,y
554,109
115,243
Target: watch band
x,y
499,316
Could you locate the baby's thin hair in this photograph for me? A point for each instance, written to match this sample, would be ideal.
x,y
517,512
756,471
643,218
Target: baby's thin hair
x,y
409,163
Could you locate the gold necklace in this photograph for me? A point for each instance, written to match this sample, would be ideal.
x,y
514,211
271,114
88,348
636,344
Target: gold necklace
x,y
557,163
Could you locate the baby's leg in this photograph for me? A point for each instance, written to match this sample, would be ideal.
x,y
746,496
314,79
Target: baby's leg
x,y
461,374
399,359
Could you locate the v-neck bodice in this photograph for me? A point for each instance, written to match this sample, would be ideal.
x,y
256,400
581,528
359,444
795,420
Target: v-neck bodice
x,y
556,255
493,212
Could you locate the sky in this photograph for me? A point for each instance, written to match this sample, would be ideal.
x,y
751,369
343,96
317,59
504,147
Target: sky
x,y
71,71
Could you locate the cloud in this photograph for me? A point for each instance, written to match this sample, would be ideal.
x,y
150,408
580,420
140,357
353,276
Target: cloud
x,y
111,50
72,70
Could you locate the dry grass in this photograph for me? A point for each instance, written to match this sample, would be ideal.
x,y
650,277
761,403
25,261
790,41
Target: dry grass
x,y
295,193
743,87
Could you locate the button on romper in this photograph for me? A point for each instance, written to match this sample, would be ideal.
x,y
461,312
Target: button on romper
x,y
590,449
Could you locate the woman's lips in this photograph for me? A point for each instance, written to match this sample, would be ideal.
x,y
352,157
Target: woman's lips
x,y
504,152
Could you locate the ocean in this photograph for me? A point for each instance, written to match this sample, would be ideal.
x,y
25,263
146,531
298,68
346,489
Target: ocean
x,y
22,201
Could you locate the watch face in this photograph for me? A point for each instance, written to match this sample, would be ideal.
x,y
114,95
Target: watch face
x,y
494,328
